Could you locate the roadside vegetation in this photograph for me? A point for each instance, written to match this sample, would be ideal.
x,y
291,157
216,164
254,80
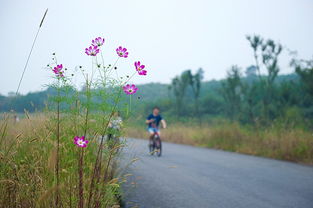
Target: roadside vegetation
x,y
259,112
29,158
66,154
276,141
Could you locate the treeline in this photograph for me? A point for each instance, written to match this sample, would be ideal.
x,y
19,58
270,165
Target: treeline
x,y
31,102
257,95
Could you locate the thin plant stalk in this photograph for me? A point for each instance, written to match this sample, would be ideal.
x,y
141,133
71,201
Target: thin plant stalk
x,y
97,166
81,157
101,194
30,52
130,103
81,178
58,148
110,69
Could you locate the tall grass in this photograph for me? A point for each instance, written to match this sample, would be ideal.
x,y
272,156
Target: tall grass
x,y
279,142
28,152
46,161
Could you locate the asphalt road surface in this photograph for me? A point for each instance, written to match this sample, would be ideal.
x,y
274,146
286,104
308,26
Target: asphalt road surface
x,y
194,177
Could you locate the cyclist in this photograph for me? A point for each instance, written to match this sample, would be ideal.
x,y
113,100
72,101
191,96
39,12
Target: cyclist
x,y
153,121
114,130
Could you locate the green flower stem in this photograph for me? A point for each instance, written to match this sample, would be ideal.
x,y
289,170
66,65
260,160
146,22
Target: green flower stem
x,y
125,82
57,168
110,69
97,167
81,178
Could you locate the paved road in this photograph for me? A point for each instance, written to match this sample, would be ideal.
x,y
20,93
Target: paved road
x,y
193,177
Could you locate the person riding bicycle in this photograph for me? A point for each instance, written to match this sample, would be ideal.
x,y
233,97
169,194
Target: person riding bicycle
x,y
153,121
115,126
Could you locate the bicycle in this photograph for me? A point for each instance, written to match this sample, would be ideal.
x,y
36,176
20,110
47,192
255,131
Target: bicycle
x,y
156,144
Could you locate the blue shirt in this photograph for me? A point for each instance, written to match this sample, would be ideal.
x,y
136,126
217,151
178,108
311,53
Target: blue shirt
x,y
156,122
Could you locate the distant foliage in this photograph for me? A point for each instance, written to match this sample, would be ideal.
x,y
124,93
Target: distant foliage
x,y
257,95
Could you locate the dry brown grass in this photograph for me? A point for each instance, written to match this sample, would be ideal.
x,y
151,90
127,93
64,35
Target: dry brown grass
x,y
22,151
28,160
292,144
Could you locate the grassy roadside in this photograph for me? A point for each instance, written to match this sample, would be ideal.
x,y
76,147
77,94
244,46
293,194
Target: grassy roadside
x,y
28,160
292,144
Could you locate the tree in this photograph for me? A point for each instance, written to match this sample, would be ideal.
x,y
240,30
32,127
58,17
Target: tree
x,y
256,42
251,71
179,86
195,83
232,92
268,51
304,68
270,54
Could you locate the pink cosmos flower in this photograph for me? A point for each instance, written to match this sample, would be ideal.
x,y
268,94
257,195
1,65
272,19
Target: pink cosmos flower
x,y
122,52
80,141
130,89
139,68
98,42
58,70
92,50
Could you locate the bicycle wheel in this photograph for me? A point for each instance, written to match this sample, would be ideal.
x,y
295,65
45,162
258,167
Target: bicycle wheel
x,y
151,147
158,144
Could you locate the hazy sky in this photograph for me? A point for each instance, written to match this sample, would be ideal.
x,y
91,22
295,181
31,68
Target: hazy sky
x,y
169,36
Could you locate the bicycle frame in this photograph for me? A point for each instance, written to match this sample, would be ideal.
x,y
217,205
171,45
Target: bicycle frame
x,y
156,144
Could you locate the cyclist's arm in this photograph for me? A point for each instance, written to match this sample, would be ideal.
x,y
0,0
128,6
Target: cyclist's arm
x,y
163,122
149,121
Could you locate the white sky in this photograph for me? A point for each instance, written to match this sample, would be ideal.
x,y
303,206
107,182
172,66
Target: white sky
x,y
168,36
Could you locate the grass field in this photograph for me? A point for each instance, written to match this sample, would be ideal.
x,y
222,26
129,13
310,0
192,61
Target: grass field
x,y
292,144
28,164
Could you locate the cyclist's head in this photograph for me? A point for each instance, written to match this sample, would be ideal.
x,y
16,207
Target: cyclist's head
x,y
116,113
156,110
